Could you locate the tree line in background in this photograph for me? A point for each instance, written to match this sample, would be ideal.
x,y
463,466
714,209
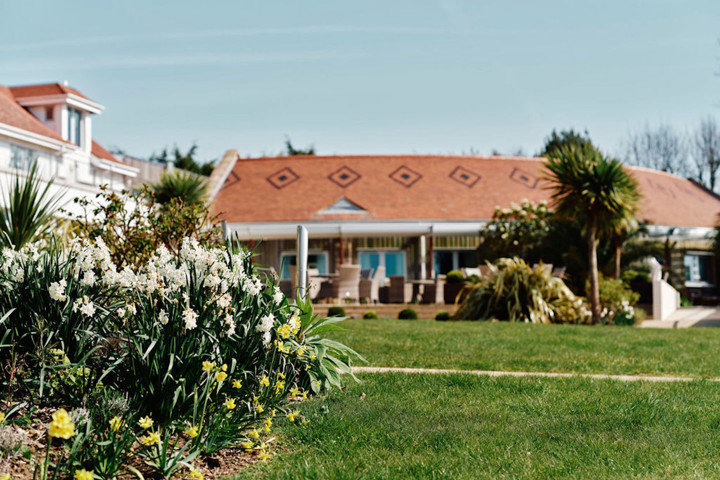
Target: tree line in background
x,y
694,154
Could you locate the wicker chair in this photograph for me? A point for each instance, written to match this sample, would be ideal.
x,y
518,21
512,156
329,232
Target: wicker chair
x,y
369,287
347,284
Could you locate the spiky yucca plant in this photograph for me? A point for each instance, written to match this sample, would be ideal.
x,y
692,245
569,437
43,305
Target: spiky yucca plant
x,y
516,292
28,209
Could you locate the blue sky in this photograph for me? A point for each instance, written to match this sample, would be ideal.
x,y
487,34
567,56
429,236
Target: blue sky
x,y
442,76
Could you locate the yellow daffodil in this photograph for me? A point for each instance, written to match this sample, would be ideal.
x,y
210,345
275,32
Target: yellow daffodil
x,y
280,345
61,425
151,438
279,386
254,434
300,351
273,412
304,395
224,367
259,408
268,422
195,474
115,424
2,417
237,384
316,383
305,421
191,431
266,429
281,376
292,415
294,392
264,381
312,357
230,403
5,476
83,474
247,446
208,366
220,376
264,456
145,422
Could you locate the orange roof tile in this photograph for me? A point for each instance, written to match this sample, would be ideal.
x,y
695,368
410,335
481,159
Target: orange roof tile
x,y
426,187
100,152
11,113
24,91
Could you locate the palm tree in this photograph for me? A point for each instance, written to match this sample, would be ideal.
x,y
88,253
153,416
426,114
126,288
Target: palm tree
x,y
28,210
186,186
594,189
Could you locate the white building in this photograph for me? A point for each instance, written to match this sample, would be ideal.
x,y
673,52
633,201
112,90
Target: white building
x,y
52,123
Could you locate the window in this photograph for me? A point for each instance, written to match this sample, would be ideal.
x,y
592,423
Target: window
x,y
73,126
446,260
698,269
21,158
49,113
317,260
393,261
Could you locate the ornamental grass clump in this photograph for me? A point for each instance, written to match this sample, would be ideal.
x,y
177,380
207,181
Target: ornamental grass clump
x,y
516,292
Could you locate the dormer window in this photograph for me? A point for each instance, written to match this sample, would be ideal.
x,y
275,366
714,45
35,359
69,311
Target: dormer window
x,y
73,126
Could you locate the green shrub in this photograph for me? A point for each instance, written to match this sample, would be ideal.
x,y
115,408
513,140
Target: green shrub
x,y
336,311
133,235
616,302
442,316
407,314
454,276
631,275
473,278
516,292
370,315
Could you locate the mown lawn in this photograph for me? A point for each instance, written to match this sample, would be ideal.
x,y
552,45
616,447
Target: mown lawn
x,y
467,427
538,348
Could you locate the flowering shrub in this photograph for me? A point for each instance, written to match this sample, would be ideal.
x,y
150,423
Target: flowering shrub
x,y
616,302
516,231
208,353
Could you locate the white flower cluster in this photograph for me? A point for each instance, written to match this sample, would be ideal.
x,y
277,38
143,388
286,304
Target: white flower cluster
x,y
265,327
164,282
85,305
57,291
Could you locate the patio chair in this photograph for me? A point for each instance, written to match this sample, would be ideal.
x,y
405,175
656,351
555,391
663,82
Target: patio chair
x,y
370,287
398,292
468,272
347,284
313,281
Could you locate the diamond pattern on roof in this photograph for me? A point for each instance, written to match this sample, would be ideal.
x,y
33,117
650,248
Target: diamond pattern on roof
x,y
344,177
231,179
282,178
405,176
464,176
525,178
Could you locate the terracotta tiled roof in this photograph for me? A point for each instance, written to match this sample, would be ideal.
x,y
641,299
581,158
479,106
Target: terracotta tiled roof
x,y
100,152
426,187
24,91
11,113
